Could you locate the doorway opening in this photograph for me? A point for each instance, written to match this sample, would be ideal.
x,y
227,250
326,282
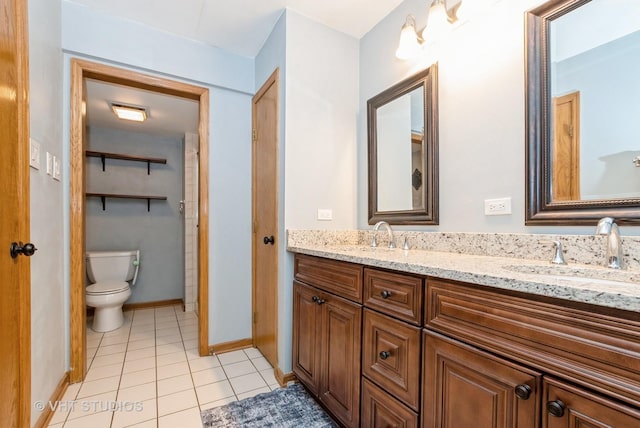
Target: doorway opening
x,y
81,72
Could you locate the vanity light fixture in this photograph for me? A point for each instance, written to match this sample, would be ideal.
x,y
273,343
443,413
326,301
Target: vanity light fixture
x,y
129,112
439,21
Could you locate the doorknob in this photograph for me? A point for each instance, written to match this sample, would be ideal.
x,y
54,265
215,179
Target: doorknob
x,y
269,240
18,248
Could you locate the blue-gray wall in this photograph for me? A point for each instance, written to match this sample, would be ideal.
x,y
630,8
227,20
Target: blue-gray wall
x,y
126,224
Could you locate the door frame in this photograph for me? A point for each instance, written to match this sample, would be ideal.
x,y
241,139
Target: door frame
x,y
273,79
81,69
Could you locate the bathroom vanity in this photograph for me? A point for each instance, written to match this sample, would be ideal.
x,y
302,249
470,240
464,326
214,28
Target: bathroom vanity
x,y
401,338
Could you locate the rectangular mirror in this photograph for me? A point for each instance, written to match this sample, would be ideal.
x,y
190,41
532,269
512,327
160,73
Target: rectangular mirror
x,y
583,63
403,152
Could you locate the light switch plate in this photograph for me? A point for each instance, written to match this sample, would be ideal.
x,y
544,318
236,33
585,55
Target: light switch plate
x,y
56,168
49,163
34,154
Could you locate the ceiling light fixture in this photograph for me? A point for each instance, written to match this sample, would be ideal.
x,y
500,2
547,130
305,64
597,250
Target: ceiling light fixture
x,y
438,24
129,112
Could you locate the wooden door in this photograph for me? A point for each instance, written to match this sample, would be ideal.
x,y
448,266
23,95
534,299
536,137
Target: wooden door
x,y
567,406
464,387
341,336
565,156
15,331
306,335
266,242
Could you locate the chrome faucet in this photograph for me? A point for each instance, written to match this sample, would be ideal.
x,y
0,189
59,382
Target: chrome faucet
x,y
607,226
374,242
558,255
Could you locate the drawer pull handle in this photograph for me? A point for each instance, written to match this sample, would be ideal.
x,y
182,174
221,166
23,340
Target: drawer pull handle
x,y
523,391
317,300
384,355
556,408
385,294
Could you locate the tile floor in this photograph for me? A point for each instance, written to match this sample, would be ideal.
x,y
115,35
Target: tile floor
x,y
148,374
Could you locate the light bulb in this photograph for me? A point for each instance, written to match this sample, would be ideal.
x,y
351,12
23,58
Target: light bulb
x,y
437,23
409,45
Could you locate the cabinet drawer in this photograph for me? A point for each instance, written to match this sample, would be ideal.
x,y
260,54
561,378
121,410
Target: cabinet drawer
x,y
391,356
594,348
380,410
341,278
394,294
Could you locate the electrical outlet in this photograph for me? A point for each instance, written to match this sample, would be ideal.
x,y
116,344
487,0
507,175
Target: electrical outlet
x,y
325,214
500,206
34,154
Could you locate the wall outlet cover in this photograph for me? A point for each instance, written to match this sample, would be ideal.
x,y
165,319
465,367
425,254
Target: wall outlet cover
x,y
325,214
501,206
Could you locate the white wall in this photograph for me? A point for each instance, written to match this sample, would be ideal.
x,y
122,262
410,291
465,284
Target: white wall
x,y
482,116
48,317
102,38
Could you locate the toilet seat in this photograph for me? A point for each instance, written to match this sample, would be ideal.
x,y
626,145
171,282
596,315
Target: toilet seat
x,y
107,287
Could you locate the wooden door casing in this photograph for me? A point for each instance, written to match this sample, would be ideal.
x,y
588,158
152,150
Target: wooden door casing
x,y
15,313
464,387
265,219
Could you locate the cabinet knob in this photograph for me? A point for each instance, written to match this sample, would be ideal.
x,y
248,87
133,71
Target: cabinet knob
x,y
385,294
315,299
556,408
384,355
523,391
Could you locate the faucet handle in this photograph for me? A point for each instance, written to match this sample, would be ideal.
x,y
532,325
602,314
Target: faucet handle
x,y
374,242
558,257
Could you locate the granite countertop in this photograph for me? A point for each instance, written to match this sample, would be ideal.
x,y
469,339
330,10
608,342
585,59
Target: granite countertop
x,y
581,283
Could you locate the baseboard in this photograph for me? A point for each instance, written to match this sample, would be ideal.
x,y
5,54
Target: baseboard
x,y
230,346
156,304
282,378
57,395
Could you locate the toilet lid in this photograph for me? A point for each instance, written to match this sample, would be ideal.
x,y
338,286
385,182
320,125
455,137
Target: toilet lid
x,y
106,287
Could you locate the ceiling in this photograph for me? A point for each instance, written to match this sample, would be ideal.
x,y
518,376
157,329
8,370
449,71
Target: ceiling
x,y
167,115
238,26
242,26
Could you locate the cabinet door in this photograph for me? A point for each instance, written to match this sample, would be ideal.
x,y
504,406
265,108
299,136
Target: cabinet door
x,y
306,335
464,387
567,406
340,384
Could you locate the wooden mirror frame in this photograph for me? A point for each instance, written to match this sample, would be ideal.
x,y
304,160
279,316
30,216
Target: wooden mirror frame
x,y
540,208
428,80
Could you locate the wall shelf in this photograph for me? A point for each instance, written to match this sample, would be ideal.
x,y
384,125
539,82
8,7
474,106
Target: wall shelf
x,y
103,197
106,155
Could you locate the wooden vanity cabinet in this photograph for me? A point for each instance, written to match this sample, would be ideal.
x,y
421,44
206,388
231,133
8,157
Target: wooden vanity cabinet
x,y
327,335
467,388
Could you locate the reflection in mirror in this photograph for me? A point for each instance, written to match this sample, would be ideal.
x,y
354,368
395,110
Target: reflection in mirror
x,y
400,129
583,63
403,152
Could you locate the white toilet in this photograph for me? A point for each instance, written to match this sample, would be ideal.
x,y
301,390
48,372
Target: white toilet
x,y
108,272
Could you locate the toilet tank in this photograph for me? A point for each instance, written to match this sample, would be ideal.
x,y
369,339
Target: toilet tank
x,y
112,265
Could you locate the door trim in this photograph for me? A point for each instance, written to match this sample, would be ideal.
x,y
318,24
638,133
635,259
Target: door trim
x,y
274,79
81,69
